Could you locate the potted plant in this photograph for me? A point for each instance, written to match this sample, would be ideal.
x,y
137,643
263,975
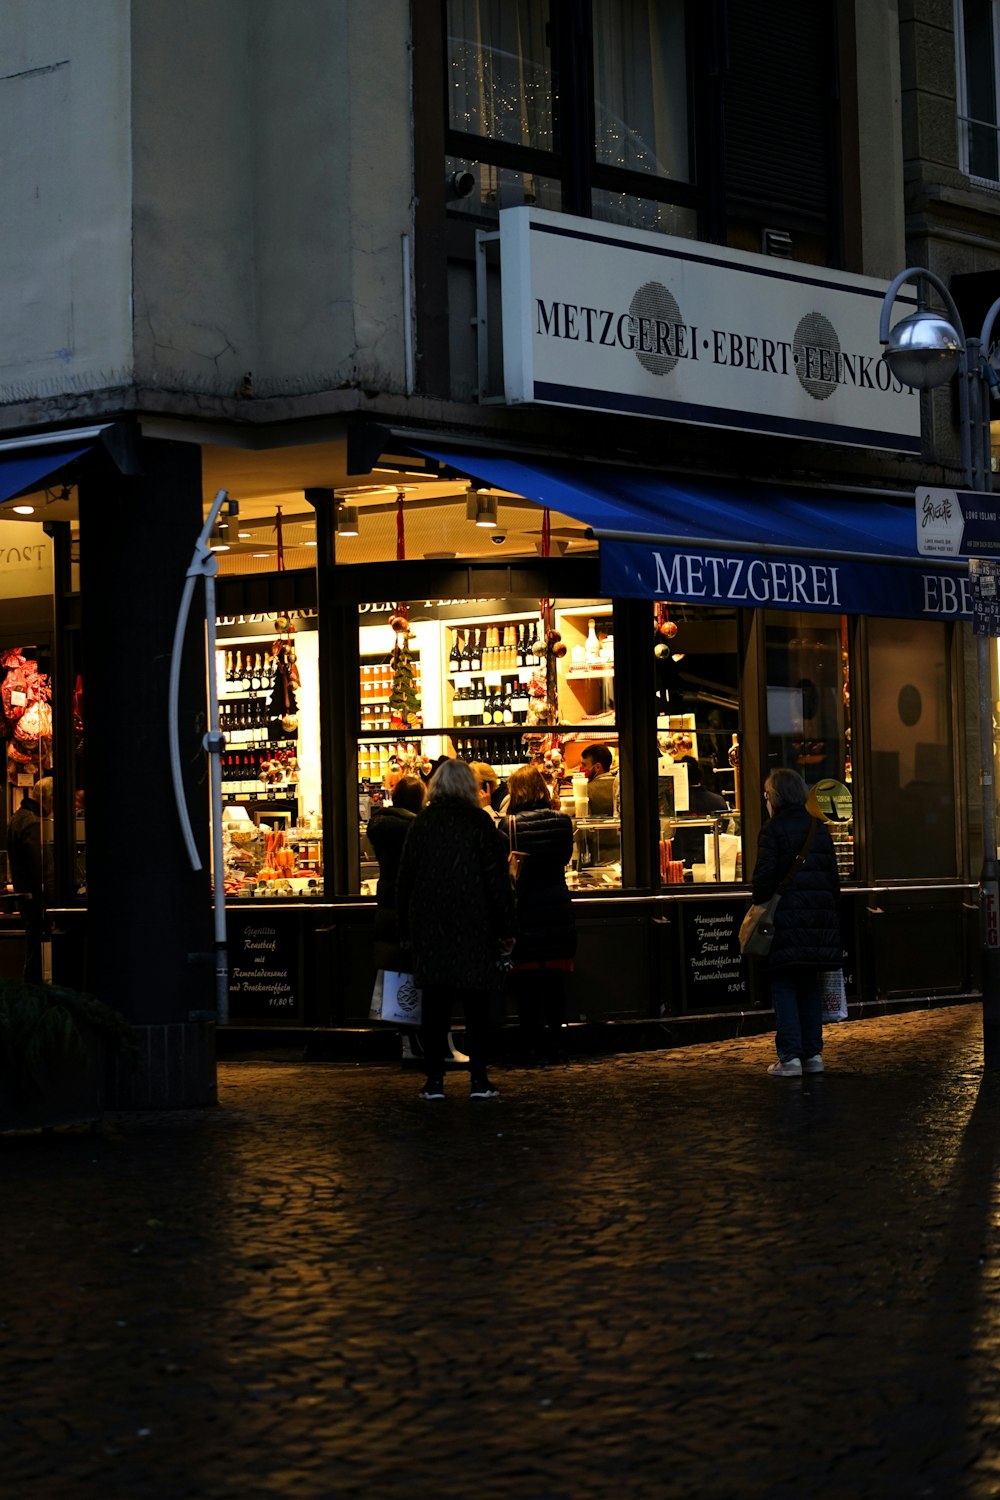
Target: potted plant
x,y
54,1043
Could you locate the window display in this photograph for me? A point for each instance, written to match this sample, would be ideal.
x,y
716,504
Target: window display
x,y
503,683
809,716
912,779
267,682
697,730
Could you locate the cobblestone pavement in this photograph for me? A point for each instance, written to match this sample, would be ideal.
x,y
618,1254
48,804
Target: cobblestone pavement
x,y
658,1275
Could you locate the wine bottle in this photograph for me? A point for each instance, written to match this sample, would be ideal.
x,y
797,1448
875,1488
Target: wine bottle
x,y
498,706
476,658
455,657
230,669
488,706
247,677
593,645
507,706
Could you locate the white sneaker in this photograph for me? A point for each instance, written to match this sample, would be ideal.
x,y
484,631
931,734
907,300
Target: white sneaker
x,y
813,1064
790,1069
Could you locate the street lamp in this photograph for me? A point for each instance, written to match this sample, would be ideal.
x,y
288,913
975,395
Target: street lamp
x,y
925,350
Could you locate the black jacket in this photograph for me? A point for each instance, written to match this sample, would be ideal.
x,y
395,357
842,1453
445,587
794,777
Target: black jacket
x,y
30,858
387,830
545,925
453,897
807,919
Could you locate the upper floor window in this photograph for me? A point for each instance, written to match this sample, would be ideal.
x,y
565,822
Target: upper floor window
x,y
582,108
977,37
705,120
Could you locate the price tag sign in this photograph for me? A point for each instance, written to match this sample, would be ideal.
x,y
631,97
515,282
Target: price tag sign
x,y
985,580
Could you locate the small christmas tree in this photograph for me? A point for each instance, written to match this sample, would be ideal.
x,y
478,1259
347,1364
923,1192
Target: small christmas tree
x,y
403,702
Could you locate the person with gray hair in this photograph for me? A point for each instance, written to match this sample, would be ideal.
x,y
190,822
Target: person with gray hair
x,y
806,920
455,910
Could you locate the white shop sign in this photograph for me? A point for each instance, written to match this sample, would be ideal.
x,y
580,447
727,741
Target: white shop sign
x,y
623,320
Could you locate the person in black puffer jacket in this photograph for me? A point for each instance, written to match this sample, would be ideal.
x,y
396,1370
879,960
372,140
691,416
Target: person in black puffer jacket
x,y
387,832
545,929
806,921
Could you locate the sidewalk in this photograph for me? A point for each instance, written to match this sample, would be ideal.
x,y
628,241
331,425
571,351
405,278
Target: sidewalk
x,y
660,1275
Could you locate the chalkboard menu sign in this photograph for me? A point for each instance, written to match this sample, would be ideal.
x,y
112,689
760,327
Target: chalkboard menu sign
x,y
265,966
714,974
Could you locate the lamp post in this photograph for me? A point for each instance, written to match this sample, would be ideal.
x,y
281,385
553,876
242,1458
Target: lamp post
x,y
925,349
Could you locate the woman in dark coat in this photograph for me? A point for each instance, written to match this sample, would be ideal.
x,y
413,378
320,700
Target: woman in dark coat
x,y
545,929
387,830
454,904
806,921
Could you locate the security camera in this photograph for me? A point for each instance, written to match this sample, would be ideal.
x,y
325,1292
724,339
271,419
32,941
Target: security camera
x,y
498,538
463,184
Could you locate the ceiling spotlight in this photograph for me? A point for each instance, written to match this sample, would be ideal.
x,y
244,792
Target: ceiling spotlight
x,y
346,520
217,541
244,536
23,510
482,509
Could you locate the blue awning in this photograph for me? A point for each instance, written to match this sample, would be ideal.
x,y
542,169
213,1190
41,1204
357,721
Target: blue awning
x,y
22,472
748,545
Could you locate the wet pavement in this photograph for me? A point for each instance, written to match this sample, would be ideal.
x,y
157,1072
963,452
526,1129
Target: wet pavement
x,y
656,1275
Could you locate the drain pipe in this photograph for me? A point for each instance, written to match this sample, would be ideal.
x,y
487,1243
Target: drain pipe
x,y
203,565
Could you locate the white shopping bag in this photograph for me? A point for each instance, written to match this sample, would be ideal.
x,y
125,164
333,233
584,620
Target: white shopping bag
x,y
395,999
834,995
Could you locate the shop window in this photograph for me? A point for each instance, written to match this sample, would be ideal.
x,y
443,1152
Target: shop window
x,y
809,716
267,679
912,787
697,728
499,683
977,37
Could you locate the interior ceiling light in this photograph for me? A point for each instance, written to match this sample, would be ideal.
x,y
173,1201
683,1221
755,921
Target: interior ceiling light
x,y
346,520
244,536
217,541
23,510
482,509
260,554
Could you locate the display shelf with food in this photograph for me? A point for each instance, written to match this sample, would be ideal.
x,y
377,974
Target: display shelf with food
x,y
263,859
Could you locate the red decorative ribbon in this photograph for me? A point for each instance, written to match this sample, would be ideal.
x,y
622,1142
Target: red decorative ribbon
x,y
400,533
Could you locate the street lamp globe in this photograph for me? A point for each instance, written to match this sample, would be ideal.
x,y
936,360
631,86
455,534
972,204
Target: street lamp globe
x,y
923,350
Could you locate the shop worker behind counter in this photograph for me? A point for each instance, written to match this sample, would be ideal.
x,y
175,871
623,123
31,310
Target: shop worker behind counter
x,y
31,869
689,843
595,763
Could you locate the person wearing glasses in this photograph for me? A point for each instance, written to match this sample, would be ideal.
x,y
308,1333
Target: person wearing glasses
x,y
806,921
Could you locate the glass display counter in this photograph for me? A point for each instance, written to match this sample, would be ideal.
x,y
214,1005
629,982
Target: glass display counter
x,y
700,848
597,853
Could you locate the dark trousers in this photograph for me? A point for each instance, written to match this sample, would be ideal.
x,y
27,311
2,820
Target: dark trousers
x,y
439,1000
541,1010
33,917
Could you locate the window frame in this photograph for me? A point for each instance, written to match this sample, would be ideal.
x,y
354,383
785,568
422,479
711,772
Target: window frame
x,y
574,162
964,118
